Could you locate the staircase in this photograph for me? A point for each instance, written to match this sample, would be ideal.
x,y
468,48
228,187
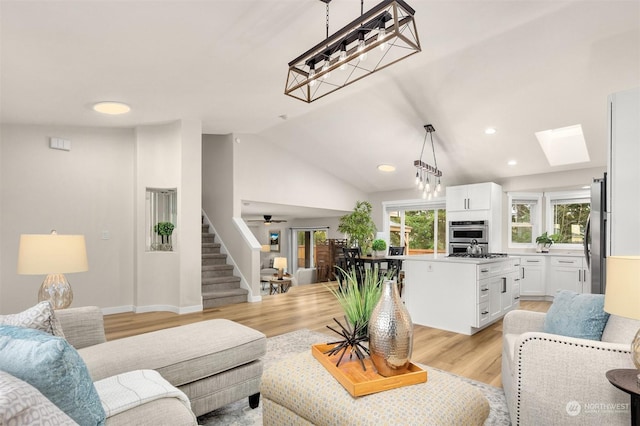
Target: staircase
x,y
219,286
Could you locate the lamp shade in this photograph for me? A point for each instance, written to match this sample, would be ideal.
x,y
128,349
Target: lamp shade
x,y
622,295
280,263
51,254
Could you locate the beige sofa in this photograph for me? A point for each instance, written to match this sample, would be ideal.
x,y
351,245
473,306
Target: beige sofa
x,y
550,379
213,362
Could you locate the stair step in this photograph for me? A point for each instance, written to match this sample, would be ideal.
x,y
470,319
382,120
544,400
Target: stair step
x,y
220,286
211,248
211,259
208,238
219,280
217,271
216,299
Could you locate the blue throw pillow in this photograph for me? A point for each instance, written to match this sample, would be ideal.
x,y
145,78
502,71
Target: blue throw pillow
x,y
54,367
576,315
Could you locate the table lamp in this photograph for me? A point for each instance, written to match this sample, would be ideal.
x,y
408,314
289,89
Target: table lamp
x,y
622,294
280,263
54,255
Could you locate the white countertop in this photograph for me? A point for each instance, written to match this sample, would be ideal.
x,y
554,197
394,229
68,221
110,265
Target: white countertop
x,y
444,258
562,253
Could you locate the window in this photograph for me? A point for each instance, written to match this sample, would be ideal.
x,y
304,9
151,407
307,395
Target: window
x,y
524,218
418,226
161,218
567,214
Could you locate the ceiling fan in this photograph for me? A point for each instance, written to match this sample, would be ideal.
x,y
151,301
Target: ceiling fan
x,y
267,220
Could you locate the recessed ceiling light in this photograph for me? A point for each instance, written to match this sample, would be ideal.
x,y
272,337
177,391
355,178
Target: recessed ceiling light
x,y
512,162
586,187
565,145
490,131
112,108
386,168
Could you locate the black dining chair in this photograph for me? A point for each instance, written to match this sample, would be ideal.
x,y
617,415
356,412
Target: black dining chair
x,y
395,265
353,262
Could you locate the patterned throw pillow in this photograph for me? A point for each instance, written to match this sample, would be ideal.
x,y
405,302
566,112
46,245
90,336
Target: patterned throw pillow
x,y
22,404
51,365
40,317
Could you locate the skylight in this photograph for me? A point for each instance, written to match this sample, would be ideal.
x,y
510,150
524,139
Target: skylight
x,y
565,145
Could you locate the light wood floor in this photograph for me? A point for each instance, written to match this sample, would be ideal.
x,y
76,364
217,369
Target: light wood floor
x,y
313,307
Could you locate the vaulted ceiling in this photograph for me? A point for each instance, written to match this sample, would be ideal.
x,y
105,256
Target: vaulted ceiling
x,y
519,66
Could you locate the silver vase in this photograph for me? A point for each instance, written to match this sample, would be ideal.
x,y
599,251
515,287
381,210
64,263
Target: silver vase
x,y
390,333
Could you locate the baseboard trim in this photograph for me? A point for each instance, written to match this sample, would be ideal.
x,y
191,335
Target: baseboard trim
x,y
152,308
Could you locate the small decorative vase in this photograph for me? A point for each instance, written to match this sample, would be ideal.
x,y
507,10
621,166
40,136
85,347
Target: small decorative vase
x,y
390,333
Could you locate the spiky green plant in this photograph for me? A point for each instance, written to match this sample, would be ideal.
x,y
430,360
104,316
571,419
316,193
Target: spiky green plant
x,y
358,300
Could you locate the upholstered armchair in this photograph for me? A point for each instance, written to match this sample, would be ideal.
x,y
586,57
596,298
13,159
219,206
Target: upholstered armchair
x,y
550,379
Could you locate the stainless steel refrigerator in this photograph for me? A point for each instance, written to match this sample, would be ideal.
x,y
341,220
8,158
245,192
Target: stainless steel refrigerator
x,y
595,237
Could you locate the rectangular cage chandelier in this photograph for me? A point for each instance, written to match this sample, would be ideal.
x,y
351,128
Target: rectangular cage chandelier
x,y
378,38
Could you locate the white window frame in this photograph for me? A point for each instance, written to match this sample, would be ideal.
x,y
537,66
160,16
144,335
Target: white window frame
x,y
403,205
577,196
536,216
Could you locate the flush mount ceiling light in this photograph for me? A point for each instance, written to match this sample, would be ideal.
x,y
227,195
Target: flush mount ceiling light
x,y
386,168
111,108
424,171
565,145
490,131
378,38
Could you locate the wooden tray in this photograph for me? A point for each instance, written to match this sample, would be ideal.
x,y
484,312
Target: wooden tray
x,y
358,382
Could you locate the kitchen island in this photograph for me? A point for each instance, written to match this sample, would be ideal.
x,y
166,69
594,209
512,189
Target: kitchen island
x,y
460,294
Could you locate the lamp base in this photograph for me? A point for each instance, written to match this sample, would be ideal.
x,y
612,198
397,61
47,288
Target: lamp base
x,y
56,289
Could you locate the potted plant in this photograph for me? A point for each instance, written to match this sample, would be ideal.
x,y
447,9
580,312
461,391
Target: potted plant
x,y
544,242
359,226
164,229
379,247
358,299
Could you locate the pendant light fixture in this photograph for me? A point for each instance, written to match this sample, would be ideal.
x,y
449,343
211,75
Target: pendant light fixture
x,y
428,176
378,38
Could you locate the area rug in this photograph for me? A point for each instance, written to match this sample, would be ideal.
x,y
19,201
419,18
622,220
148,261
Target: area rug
x,y
279,347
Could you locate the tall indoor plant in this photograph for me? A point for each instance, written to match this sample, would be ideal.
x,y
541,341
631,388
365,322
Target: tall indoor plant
x,y
359,226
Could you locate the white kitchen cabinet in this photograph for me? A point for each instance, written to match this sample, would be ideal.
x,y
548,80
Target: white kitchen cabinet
x,y
568,273
478,201
532,276
459,295
472,197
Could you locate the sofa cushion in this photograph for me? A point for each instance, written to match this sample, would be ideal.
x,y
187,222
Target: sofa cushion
x,y
620,329
576,315
39,317
51,365
22,404
181,354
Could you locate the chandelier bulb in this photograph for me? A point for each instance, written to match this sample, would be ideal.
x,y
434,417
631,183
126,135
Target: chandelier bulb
x,y
325,68
429,196
424,194
382,33
361,46
417,178
312,77
343,57
439,186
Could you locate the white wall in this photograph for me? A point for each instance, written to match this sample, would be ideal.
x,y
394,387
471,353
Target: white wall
x,y
169,156
87,190
266,173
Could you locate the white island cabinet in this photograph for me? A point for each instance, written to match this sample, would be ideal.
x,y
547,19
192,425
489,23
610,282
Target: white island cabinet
x,y
460,295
